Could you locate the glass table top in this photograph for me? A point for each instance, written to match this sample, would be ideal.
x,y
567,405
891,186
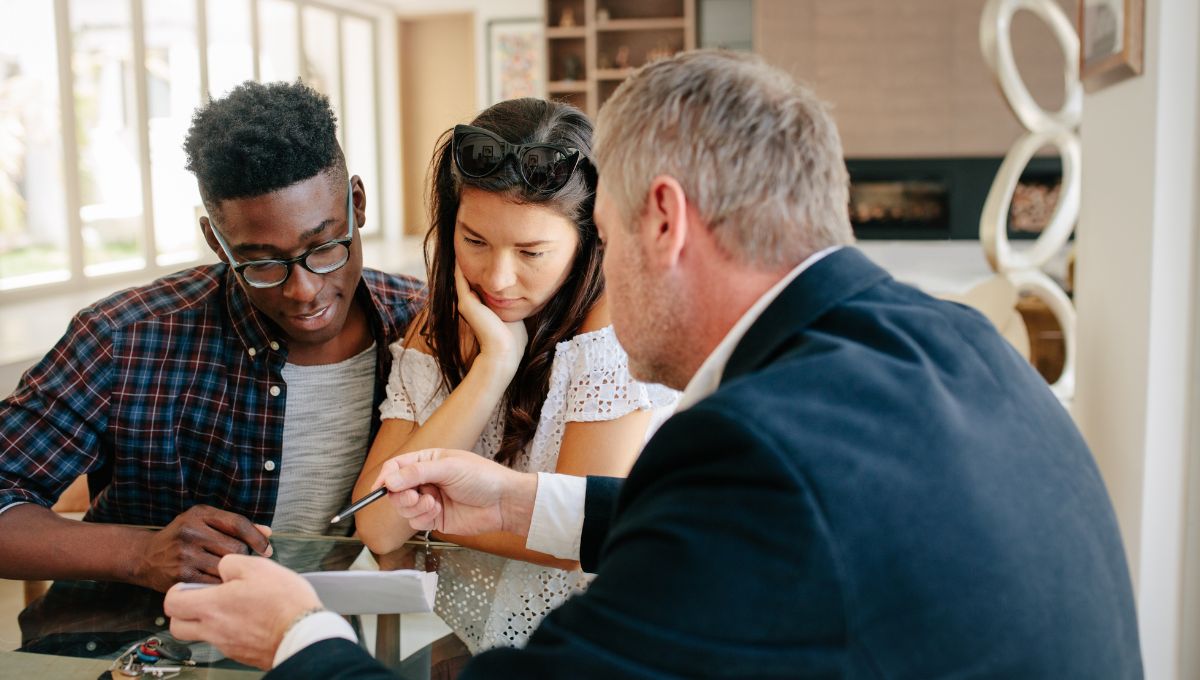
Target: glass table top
x,y
99,620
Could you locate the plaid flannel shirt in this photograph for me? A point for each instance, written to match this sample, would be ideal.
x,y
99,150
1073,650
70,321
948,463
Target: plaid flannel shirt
x,y
168,396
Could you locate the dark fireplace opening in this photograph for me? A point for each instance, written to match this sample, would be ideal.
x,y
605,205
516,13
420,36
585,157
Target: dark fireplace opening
x,y
942,198
905,205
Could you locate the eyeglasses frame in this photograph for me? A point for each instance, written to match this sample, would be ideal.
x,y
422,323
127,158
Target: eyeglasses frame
x,y
302,258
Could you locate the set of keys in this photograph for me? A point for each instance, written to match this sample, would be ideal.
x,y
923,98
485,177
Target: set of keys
x,y
142,660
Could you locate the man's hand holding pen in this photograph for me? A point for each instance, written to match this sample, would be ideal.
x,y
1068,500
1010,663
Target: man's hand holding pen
x,y
458,492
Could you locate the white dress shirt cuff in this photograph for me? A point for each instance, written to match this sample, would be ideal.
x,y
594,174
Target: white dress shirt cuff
x,y
311,630
557,521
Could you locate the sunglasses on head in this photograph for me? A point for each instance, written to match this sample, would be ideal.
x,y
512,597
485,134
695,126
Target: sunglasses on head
x,y
544,167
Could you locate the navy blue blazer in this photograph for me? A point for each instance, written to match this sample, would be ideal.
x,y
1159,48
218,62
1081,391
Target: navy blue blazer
x,y
880,488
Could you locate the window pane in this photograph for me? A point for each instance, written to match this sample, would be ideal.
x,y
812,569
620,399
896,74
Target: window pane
x,y
33,220
279,55
110,185
172,93
321,56
358,111
230,54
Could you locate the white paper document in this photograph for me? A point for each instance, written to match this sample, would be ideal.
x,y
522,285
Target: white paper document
x,y
403,591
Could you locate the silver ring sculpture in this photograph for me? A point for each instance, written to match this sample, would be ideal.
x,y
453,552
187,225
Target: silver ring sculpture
x,y
1023,267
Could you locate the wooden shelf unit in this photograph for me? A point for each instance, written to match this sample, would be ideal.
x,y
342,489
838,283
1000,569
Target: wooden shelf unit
x,y
568,32
581,57
641,24
613,73
566,86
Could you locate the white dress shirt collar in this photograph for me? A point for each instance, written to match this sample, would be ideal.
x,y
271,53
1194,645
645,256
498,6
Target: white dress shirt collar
x,y
708,378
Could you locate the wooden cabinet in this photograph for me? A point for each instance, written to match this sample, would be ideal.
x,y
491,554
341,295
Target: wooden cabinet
x,y
592,45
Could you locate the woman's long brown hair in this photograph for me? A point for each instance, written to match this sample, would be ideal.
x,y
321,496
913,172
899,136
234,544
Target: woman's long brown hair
x,y
519,121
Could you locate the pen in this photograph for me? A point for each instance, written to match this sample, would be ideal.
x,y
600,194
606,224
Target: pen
x,y
360,504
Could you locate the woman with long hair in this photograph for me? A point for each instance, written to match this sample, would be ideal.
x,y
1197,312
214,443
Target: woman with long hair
x,y
514,356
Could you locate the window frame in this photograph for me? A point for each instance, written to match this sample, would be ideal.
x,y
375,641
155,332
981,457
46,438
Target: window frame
x,y
78,279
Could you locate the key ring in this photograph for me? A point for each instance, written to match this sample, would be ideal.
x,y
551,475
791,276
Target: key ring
x,y
141,657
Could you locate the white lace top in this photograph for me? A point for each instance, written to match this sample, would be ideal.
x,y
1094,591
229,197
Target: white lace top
x,y
491,601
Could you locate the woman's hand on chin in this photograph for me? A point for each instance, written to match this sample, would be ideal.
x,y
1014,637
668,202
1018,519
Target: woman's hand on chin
x,y
501,344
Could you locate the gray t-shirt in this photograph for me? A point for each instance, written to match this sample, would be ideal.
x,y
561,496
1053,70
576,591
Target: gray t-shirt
x,y
326,433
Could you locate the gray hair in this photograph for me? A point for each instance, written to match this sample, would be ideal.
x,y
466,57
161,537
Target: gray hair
x,y
756,153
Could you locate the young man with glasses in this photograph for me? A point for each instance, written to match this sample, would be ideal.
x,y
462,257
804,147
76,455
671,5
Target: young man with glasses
x,y
225,400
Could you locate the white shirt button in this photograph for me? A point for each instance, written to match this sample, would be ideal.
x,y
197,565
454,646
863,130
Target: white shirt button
x,y
275,345
274,390
251,351
269,465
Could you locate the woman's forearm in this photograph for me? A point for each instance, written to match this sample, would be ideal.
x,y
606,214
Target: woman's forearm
x,y
456,424
460,420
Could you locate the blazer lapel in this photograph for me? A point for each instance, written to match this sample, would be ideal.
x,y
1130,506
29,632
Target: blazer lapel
x,y
837,277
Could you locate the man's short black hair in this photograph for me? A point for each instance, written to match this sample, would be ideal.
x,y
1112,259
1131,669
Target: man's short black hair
x,y
260,138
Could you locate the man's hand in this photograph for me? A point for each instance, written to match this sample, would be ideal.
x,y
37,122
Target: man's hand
x,y
190,547
247,615
458,492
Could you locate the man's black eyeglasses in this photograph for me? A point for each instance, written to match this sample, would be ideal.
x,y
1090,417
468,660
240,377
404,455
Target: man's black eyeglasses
x,y
325,258
545,168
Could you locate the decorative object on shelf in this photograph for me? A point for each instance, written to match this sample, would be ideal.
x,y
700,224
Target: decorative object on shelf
x,y
515,59
567,18
1111,37
602,15
572,68
660,51
1024,267
603,61
621,59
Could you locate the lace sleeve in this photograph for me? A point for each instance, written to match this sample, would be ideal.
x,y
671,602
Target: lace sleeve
x,y
414,386
599,386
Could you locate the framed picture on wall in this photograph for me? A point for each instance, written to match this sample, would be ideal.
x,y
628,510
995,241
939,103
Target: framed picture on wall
x,y
1110,41
516,59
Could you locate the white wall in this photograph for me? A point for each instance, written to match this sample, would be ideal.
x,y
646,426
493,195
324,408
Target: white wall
x,y
1136,297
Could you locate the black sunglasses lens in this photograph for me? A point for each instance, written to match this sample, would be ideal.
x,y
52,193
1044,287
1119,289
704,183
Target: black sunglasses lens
x,y
546,169
478,155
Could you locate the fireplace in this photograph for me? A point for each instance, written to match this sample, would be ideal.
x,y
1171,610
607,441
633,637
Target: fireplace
x,y
942,198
